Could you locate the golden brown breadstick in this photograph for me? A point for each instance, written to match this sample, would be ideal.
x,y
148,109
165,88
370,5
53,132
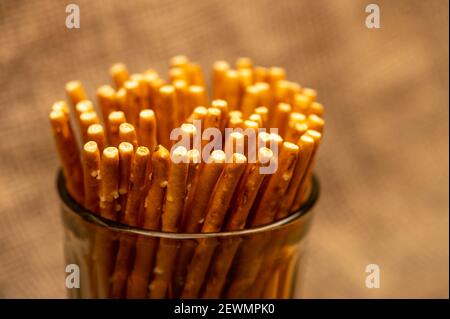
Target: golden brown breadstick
x,y
115,119
244,63
75,92
310,93
177,74
299,197
83,106
296,132
61,106
220,69
137,183
211,171
180,61
259,74
301,104
176,190
106,97
121,99
132,102
281,118
181,94
143,90
109,183
86,120
119,74
96,133
264,113
223,107
235,143
274,75
147,129
127,133
270,201
315,123
223,192
317,109
68,154
195,74
196,96
246,192
231,88
295,118
264,94
165,115
257,119
245,80
126,153
250,100
293,89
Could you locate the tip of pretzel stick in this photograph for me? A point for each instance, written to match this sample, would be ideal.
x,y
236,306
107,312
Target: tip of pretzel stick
x,y
73,85
214,111
126,147
61,106
56,115
118,68
275,137
131,85
142,151
179,155
197,89
314,134
90,147
106,91
277,72
219,104
84,106
178,60
290,146
311,93
88,116
194,156
217,156
264,155
235,114
167,90
126,128
238,158
188,128
251,124
95,129
244,62
306,139
296,117
111,152
147,114
221,65
262,86
283,107
116,116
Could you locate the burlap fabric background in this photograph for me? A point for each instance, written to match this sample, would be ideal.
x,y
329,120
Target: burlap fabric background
x,y
383,165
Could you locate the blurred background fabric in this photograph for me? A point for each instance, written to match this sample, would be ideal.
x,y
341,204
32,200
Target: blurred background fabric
x,y
383,165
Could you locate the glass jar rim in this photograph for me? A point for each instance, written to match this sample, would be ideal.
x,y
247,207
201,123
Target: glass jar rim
x,y
91,217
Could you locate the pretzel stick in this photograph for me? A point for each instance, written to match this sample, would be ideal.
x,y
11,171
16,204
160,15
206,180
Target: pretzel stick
x,y
86,120
250,100
143,91
309,168
306,144
181,96
236,122
268,206
196,96
280,118
223,107
231,89
115,119
119,74
293,90
121,99
147,129
106,97
91,169
317,109
302,104
127,133
96,133
263,112
177,74
82,107
296,124
195,74
218,205
274,75
75,92
259,74
244,63
132,102
126,154
310,93
264,94
220,69
68,154
193,175
256,118
165,114
109,188
282,92
315,123
245,80
61,106
237,216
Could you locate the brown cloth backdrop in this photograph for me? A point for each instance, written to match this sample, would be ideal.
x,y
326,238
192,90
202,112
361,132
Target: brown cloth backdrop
x,y
383,165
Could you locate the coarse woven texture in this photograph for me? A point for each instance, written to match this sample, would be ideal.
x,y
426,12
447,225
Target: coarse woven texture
x,y
383,164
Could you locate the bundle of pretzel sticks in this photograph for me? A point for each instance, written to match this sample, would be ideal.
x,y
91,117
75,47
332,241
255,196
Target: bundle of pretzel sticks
x,y
129,169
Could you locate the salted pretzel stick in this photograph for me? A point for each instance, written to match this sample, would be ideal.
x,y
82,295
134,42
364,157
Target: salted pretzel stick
x,y
109,185
315,123
119,74
121,99
223,107
137,181
235,143
143,91
317,109
68,154
245,80
176,190
244,63
281,92
212,120
274,75
61,106
264,94
195,74
91,170
293,89
137,286
235,114
309,168
259,74
264,113
86,120
155,83
250,100
106,97
84,106
310,93
231,88
165,114
126,154
257,119
241,205
177,74
132,102
196,96
115,119
268,206
96,133
236,122
220,69
306,144
193,175
75,92
302,104
127,133
181,97
208,179
223,192
147,129
294,133
218,205
280,118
